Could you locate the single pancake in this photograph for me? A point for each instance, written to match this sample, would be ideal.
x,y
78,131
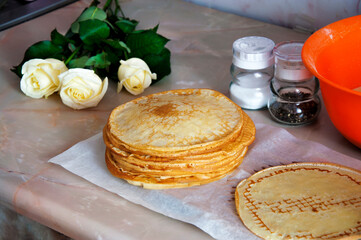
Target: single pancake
x,y
301,201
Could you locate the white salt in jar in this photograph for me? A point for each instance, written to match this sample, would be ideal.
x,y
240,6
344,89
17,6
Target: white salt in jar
x,y
251,71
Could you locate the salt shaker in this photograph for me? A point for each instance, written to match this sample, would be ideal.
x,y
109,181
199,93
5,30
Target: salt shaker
x,y
251,71
294,89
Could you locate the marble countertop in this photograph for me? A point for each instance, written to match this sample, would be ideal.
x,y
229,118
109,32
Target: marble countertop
x,y
33,131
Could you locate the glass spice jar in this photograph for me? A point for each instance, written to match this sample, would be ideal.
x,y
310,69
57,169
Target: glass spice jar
x,y
294,99
251,71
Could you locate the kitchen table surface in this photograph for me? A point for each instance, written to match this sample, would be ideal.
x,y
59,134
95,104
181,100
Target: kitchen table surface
x,y
34,130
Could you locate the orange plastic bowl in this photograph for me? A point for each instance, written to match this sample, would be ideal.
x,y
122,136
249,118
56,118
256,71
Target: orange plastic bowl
x,y
333,55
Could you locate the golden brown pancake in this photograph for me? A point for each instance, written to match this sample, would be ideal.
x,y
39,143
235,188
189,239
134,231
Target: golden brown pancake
x,y
301,201
174,121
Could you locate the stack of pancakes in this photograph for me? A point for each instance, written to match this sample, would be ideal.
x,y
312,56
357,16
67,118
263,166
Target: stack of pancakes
x,y
178,138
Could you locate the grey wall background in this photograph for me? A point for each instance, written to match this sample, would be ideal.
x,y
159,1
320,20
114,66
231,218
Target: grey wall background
x,y
305,15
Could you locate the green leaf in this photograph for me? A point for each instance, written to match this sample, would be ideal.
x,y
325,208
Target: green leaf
x,y
120,45
92,12
145,42
159,63
43,49
58,39
72,47
78,62
114,55
127,26
150,46
98,61
155,29
93,31
17,70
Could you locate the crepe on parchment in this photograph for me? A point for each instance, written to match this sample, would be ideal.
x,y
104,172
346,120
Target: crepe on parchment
x,y
301,201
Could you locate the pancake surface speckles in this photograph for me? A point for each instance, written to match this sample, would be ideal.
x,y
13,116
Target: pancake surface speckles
x,y
176,119
177,138
301,201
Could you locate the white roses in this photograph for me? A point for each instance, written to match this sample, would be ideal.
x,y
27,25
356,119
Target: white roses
x,y
40,77
82,88
79,88
135,75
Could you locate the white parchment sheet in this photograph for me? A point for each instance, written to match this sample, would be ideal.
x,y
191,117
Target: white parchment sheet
x,y
210,207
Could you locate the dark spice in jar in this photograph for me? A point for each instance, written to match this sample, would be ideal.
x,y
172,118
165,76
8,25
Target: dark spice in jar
x,y
295,109
295,96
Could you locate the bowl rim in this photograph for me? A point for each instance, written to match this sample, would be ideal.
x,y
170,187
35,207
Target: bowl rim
x,y
314,70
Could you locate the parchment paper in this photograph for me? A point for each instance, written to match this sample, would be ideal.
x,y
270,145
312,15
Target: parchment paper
x,y
209,207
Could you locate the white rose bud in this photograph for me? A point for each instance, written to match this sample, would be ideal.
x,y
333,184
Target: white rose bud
x,y
135,75
82,88
40,77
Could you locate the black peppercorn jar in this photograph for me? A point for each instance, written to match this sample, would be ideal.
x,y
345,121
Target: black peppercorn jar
x,y
294,90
